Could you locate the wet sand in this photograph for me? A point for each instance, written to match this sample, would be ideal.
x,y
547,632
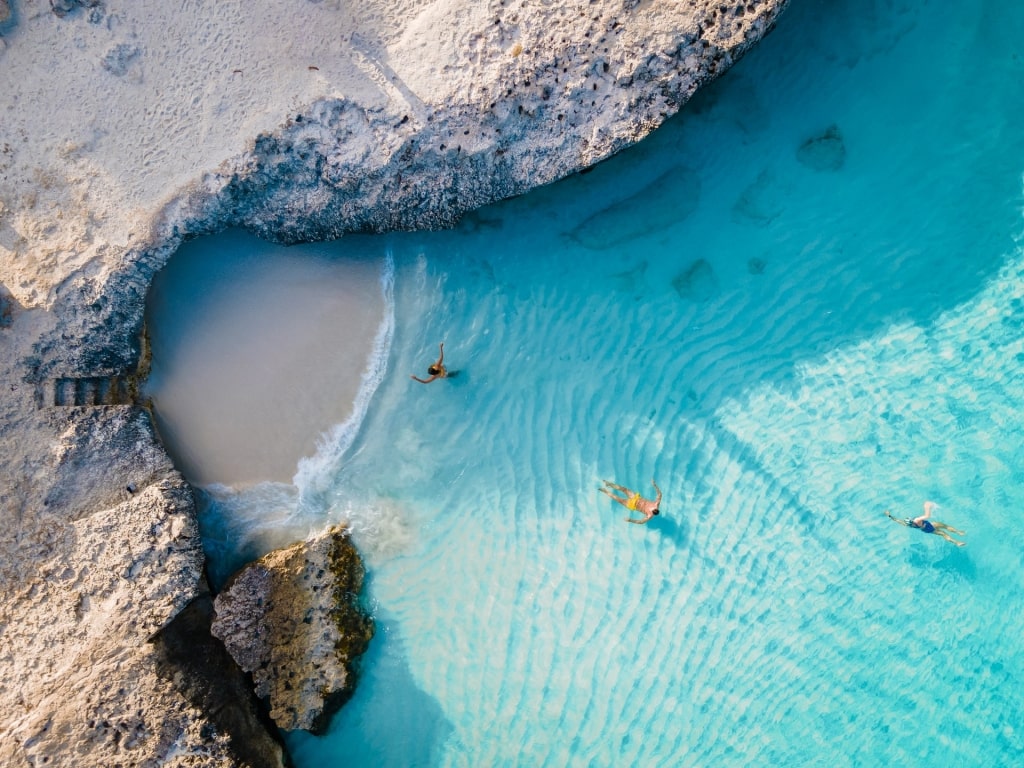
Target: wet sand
x,y
257,350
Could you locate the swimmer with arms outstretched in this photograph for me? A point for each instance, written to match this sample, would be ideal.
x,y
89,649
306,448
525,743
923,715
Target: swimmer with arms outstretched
x,y
923,523
634,502
436,371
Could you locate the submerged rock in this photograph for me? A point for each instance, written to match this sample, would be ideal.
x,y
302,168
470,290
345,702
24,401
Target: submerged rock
x,y
293,620
668,200
762,201
826,152
697,282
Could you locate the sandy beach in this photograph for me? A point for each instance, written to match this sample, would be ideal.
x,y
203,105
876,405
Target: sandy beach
x,y
257,350
108,112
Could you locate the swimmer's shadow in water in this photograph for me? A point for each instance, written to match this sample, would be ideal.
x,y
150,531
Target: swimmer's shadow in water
x,y
457,378
670,529
956,561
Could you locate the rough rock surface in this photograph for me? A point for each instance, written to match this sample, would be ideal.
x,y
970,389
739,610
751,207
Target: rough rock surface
x,y
293,620
130,126
91,572
200,668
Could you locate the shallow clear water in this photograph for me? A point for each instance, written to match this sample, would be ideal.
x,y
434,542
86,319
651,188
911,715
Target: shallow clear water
x,y
798,304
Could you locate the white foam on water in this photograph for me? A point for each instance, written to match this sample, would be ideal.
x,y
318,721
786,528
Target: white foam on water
x,y
315,473
240,525
211,364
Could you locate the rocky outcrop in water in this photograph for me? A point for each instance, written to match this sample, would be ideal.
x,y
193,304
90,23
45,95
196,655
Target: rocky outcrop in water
x,y
293,620
155,122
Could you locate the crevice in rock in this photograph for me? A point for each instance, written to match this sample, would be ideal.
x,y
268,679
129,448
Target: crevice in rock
x,y
203,671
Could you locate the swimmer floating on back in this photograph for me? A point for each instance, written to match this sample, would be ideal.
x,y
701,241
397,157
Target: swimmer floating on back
x,y
436,371
929,526
634,502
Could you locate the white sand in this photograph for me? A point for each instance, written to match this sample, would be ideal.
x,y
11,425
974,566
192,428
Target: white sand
x,y
109,115
89,155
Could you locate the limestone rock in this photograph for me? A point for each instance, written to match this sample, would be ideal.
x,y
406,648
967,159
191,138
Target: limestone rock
x,y
89,572
7,302
293,620
64,7
117,60
202,670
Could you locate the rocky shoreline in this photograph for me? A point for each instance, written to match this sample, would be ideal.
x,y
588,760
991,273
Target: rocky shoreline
x,y
102,565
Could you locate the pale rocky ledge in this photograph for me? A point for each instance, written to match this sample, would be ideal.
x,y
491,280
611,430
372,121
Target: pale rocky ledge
x,y
127,127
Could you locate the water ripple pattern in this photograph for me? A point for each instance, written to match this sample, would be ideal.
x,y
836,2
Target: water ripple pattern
x,y
796,306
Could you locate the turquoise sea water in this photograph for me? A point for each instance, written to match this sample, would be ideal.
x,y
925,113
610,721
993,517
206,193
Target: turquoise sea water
x,y
798,304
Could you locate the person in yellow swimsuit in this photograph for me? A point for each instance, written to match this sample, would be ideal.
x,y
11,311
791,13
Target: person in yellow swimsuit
x,y
436,371
633,501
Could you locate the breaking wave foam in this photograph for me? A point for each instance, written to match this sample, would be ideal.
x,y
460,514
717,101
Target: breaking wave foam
x,y
241,524
314,474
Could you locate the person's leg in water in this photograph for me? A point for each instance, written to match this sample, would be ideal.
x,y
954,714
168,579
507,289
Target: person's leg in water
x,y
616,486
947,537
945,527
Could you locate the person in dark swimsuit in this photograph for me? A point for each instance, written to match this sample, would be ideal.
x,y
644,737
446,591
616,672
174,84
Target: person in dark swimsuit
x,y
923,523
634,502
436,371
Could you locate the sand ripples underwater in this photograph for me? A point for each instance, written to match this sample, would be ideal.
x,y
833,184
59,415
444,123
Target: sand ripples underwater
x,y
817,317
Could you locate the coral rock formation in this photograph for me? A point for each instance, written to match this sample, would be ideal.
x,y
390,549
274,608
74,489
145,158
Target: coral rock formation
x,y
293,620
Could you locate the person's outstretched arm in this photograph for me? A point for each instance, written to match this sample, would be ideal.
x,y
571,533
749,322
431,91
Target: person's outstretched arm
x,y
928,507
901,522
440,360
657,501
422,381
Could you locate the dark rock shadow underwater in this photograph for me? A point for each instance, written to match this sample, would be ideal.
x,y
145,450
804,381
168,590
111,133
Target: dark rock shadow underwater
x,y
666,201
